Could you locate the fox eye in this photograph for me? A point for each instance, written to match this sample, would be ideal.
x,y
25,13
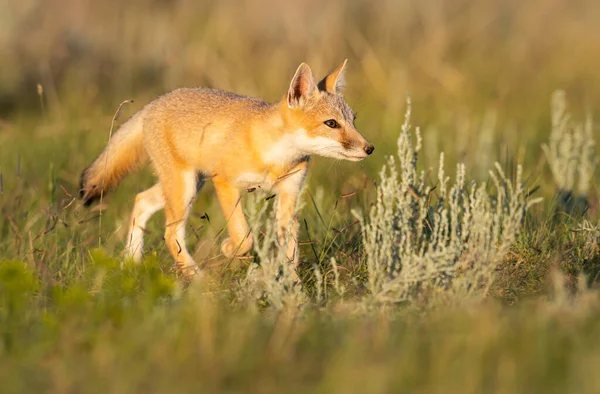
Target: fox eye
x,y
332,123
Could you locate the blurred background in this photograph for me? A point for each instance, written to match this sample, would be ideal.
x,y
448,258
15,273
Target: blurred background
x,y
480,73
463,62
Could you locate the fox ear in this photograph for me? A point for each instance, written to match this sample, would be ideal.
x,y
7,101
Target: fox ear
x,y
302,87
335,81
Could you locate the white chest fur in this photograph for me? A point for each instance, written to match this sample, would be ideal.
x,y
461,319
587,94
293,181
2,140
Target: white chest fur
x,y
254,180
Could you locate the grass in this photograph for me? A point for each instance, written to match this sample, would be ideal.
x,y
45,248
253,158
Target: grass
x,y
480,75
127,337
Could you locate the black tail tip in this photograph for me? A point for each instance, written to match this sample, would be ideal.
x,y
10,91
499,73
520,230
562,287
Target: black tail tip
x,y
87,201
87,195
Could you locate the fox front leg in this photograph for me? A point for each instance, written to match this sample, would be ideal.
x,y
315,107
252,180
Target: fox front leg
x,y
287,222
240,238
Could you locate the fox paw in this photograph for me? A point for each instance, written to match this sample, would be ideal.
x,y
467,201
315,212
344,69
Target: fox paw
x,y
188,271
232,249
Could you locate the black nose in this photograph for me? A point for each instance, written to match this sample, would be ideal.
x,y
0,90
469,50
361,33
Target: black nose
x,y
369,149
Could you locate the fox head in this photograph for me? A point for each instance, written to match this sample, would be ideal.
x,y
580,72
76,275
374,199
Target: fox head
x,y
321,121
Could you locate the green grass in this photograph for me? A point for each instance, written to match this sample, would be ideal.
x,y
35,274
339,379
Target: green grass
x,y
132,330
72,320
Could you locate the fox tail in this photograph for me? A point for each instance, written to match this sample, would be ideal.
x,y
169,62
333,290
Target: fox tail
x,y
124,152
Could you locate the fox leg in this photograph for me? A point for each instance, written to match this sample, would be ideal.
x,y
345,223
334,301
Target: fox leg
x,y
147,203
287,223
179,189
240,239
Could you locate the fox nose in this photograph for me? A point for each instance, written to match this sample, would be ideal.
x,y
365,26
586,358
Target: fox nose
x,y
369,149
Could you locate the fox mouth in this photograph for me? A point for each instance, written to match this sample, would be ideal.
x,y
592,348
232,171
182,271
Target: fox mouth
x,y
353,157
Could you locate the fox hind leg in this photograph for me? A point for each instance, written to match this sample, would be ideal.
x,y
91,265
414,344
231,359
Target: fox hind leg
x,y
147,203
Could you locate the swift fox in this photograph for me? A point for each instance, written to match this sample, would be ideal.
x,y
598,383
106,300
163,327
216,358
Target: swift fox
x,y
239,142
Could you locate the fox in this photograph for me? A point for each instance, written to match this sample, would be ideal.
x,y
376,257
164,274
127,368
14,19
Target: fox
x,y
191,135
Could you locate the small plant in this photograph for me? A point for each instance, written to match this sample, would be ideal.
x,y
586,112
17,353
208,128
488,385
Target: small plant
x,y
417,244
272,278
591,238
585,252
571,155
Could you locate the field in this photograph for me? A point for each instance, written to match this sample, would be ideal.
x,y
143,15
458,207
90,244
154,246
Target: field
x,y
475,271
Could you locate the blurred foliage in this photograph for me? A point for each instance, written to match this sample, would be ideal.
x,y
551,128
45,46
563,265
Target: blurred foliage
x,y
78,338
501,54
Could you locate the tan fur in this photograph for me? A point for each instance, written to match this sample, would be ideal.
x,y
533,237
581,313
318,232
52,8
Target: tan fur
x,y
239,142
